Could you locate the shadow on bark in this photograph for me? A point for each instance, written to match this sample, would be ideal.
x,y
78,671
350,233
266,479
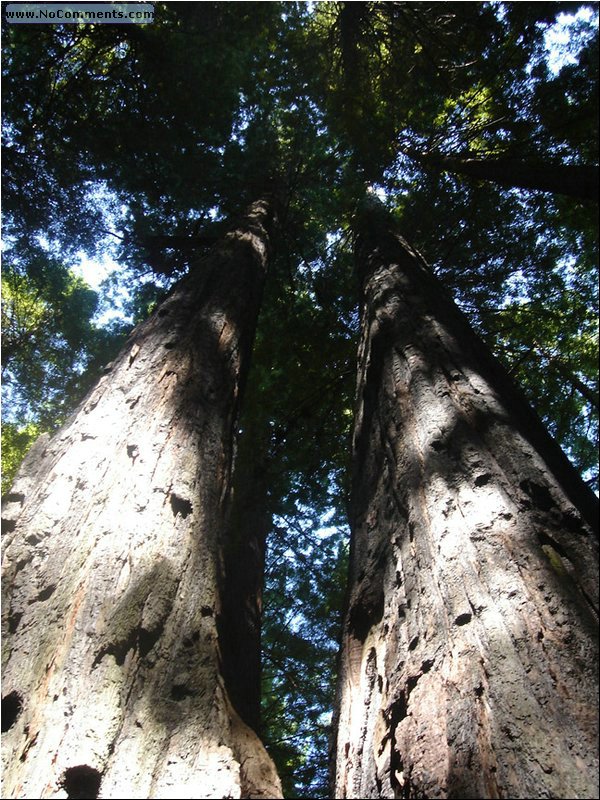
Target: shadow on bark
x,y
113,577
469,663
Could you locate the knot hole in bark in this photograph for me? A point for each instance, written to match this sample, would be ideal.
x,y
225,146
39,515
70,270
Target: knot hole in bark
x,y
463,619
8,525
540,495
366,612
12,704
82,782
180,505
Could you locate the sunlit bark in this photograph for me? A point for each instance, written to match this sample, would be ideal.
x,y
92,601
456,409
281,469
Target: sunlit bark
x,y
469,664
112,675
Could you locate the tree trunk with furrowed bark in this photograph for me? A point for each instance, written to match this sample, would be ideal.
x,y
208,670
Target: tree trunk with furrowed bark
x,y
469,665
113,581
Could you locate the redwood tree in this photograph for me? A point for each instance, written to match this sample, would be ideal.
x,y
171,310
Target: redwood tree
x,y
469,662
113,672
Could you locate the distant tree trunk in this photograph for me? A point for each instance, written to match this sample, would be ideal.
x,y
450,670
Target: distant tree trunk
x,y
469,664
240,623
574,180
113,580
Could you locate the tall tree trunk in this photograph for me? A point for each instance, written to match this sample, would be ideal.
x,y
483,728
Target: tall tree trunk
x,y
574,180
113,575
469,665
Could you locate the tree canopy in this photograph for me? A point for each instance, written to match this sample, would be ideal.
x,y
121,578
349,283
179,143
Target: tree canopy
x,y
144,140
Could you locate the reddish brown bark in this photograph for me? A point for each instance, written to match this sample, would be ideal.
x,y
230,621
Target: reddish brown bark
x,y
113,577
469,664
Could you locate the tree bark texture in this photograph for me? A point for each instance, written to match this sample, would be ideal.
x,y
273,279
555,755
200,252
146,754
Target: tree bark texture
x,y
575,180
113,575
469,664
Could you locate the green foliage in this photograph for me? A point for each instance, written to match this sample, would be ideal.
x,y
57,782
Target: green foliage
x,y
51,347
16,441
301,639
555,340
